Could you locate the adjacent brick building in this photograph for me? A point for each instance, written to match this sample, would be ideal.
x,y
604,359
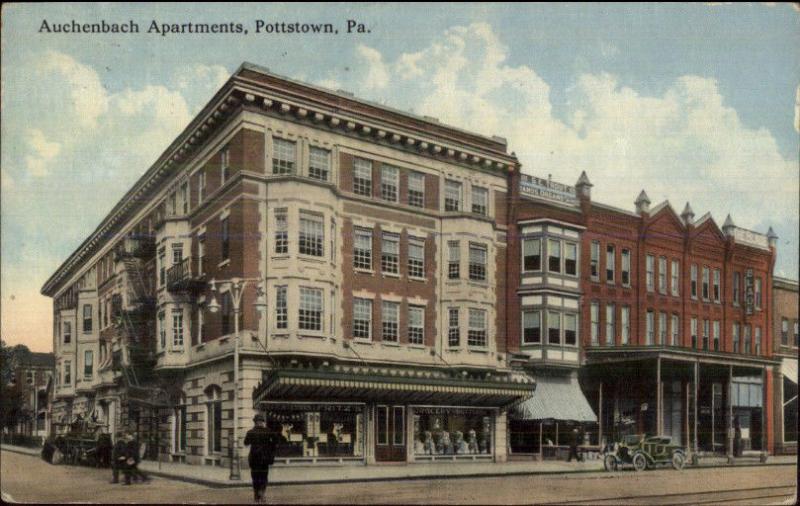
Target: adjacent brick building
x,y
785,332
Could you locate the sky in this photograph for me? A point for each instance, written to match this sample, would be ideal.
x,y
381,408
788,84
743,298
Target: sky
x,y
697,103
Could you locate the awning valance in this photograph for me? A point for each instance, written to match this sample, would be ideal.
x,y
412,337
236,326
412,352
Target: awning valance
x,y
556,398
789,369
399,385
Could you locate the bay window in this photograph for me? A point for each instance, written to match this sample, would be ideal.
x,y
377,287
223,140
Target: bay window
x,y
531,327
532,255
310,313
476,333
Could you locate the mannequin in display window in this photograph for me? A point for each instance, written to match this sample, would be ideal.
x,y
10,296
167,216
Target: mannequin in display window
x,y
460,445
472,443
428,446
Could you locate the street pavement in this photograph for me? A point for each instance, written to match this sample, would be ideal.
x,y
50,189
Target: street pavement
x,y
29,479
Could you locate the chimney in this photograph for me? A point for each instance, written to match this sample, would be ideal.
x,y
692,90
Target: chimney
x,y
728,227
772,238
688,215
642,204
583,187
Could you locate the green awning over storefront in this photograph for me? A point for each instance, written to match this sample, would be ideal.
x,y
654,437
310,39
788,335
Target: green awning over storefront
x,y
556,398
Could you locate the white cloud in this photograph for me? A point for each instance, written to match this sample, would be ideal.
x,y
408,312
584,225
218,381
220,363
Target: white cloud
x,y
42,152
86,97
797,110
377,74
6,180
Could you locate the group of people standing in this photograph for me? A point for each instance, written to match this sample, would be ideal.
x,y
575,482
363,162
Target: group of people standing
x,y
125,457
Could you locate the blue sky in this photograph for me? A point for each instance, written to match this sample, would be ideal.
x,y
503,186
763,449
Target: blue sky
x,y
690,102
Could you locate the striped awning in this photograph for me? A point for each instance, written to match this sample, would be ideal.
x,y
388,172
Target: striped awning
x,y
556,398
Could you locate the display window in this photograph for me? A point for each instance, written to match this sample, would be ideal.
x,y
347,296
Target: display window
x,y
317,431
452,432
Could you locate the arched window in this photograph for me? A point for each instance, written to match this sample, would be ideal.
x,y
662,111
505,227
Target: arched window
x,y
213,419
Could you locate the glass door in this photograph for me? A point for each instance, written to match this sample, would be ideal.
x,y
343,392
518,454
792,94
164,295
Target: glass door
x,y
390,434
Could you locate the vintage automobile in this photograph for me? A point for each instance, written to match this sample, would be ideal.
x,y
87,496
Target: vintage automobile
x,y
644,452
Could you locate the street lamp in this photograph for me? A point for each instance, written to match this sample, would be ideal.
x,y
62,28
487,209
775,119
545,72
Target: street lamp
x,y
236,287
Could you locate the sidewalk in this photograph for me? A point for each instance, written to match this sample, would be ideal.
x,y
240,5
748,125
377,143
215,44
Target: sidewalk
x,y
302,475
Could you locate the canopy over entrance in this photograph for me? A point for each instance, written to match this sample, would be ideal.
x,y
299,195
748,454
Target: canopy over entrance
x,y
556,398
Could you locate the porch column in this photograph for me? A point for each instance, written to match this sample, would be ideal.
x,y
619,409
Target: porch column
x,y
541,450
730,412
659,409
500,433
694,386
764,402
600,416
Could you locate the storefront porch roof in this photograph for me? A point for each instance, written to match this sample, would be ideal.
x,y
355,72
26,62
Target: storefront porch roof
x,y
556,398
610,354
394,384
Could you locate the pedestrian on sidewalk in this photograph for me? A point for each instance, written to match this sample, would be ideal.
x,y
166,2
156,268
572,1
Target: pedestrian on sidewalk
x,y
737,437
573,445
119,456
262,443
133,460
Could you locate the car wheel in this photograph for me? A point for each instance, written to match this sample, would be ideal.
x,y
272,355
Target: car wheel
x,y
610,463
678,461
639,462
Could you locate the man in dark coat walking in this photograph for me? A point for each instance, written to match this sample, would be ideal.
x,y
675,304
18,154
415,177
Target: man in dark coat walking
x,y
262,445
119,457
574,441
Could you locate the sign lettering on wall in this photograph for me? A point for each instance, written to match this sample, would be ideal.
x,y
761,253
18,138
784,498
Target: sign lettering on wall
x,y
749,292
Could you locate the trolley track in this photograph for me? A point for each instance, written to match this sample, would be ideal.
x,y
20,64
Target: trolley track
x,y
729,496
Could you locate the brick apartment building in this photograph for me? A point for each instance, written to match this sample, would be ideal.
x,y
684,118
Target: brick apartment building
x,y
786,337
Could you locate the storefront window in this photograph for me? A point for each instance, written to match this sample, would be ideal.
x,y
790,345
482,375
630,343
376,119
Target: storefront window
x,y
317,430
450,431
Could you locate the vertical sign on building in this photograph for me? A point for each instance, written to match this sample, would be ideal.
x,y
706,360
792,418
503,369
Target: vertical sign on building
x,y
749,295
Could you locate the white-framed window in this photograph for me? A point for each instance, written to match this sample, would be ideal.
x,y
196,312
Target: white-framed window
x,y
737,282
650,327
416,258
554,255
162,266
531,327
717,285
570,329
224,166
796,333
173,204
453,328
611,324
177,253
570,259
416,325
476,332
87,318
706,283
716,328
706,333
362,177
201,254
532,255
362,319
594,264
179,431
625,317
694,332
747,341
390,320
480,200
649,268
452,195
88,364
177,328
213,420
162,330
675,274
283,156
453,260
676,329
594,316
553,327
201,186
662,275
68,372
694,281
362,249
662,328
784,332
390,182
390,253
416,189
626,267
736,331
201,326
312,235
185,198
281,308
310,316
757,290
281,231
319,163
477,262
66,333
610,263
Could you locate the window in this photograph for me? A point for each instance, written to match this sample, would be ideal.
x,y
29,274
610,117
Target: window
x,y
453,328
281,232
531,255
362,249
716,285
88,364
179,438
162,267
362,319
416,258
226,313
477,262
177,328
283,157
757,291
416,327
383,425
626,267
399,435
452,196
694,281
201,327
87,318
68,372
736,287
390,180
185,198
715,334
531,327
162,331
611,324
610,254
784,332
650,330
310,316
173,204
706,283
476,334
675,331
595,261
796,334
177,253
226,239
625,316
201,253
747,339
649,266
570,329
201,186
570,258
224,166
553,327
662,328
662,275
390,317
67,332
706,332
736,338
362,177
312,235
595,322
281,308
319,163
694,332
454,260
390,248
553,255
480,200
214,419
675,275
416,189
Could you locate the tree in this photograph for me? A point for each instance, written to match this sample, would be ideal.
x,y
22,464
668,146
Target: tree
x,y
12,388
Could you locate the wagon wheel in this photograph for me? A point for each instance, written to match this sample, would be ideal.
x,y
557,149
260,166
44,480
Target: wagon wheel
x,y
678,461
610,463
639,462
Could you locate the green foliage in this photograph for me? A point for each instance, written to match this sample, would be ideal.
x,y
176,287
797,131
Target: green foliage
x,y
12,389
